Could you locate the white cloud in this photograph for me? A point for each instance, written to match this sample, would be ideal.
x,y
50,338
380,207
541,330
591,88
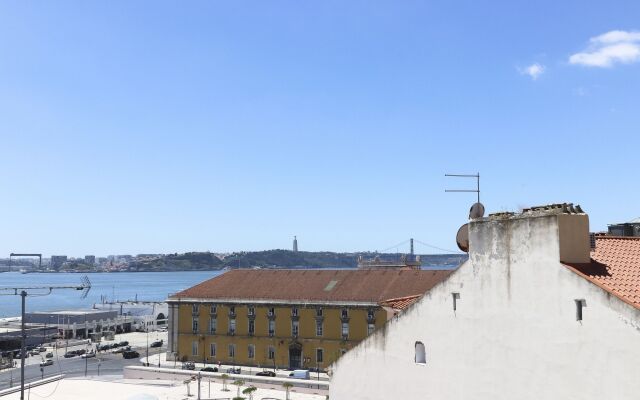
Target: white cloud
x,y
613,47
533,70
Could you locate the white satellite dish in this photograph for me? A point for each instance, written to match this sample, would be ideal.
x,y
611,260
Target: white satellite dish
x,y
462,238
476,211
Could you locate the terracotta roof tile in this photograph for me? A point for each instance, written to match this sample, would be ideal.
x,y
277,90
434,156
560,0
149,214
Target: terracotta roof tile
x,y
371,286
615,267
400,303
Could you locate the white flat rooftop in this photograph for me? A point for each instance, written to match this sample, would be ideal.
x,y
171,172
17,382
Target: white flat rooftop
x,y
111,388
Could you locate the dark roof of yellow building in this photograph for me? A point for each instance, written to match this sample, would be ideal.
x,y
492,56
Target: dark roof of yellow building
x,y
350,286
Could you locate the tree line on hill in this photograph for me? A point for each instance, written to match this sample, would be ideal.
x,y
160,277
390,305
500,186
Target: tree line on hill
x,y
203,261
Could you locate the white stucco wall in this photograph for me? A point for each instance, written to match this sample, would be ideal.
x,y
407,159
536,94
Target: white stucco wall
x,y
514,334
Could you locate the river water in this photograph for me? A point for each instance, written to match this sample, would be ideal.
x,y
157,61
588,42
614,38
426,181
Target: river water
x,y
117,286
121,286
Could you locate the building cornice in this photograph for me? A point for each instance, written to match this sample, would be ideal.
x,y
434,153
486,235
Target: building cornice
x,y
303,303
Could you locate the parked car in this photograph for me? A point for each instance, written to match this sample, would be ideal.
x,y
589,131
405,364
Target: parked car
x,y
34,353
188,365
300,374
91,354
124,343
46,362
70,354
157,343
42,349
266,373
232,370
130,354
209,369
49,355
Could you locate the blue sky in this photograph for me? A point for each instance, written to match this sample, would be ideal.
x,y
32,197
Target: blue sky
x,y
131,127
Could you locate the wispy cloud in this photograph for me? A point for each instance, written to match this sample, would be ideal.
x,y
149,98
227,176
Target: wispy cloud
x,y
608,49
533,70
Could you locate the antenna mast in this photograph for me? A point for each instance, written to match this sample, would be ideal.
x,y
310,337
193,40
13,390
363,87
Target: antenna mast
x,y
476,190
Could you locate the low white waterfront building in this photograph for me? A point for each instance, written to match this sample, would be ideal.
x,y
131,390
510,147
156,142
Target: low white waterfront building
x,y
535,313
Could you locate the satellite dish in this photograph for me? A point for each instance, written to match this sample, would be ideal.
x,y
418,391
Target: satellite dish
x,y
462,238
476,211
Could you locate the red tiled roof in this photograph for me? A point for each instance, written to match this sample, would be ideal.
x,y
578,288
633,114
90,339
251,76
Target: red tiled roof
x,y
370,286
400,303
615,267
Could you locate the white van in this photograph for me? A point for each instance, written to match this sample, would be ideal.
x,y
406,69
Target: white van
x,y
300,374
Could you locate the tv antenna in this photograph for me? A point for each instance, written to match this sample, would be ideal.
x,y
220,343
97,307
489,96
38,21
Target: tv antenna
x,y
34,291
476,190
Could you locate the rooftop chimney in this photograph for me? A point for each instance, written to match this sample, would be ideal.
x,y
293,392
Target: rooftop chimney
x,y
533,230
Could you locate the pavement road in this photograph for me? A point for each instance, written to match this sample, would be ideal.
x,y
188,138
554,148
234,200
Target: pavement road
x,y
103,364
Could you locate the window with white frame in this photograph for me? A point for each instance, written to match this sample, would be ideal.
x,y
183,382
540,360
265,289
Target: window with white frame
x,y
345,329
232,326
271,353
194,308
194,324
212,349
294,311
272,327
252,310
251,351
318,328
319,355
232,350
294,328
252,327
318,312
370,328
213,325
271,312
344,313
214,309
194,348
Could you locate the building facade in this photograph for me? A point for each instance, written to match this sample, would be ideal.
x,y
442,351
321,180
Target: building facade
x,y
533,314
287,318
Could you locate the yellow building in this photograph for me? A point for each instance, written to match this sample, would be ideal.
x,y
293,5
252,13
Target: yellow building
x,y
287,318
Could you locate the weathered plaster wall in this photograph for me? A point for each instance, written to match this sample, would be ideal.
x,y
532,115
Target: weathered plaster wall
x,y
514,334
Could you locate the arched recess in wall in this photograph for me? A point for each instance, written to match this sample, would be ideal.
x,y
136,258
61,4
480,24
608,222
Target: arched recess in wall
x,y
421,354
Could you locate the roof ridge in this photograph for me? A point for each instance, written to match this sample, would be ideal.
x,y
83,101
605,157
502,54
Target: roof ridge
x,y
411,296
618,237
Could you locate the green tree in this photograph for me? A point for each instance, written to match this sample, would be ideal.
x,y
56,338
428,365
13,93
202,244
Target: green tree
x,y
249,391
287,386
238,383
224,382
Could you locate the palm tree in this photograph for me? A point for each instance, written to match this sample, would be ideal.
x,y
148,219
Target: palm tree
x,y
250,391
287,386
224,382
238,383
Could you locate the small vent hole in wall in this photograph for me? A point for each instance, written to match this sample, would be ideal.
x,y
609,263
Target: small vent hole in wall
x,y
421,354
580,304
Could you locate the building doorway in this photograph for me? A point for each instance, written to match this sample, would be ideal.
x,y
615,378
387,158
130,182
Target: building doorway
x,y
295,355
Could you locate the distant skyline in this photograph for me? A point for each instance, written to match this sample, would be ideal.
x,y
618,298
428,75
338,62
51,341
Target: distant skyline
x,y
161,127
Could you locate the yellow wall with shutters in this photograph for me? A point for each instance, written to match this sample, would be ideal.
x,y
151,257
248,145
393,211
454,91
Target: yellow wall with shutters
x,y
331,341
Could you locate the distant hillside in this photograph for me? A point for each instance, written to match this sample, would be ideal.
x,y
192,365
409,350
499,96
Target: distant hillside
x,y
275,259
194,261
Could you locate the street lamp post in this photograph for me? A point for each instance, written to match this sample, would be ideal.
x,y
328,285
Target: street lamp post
x,y
147,363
